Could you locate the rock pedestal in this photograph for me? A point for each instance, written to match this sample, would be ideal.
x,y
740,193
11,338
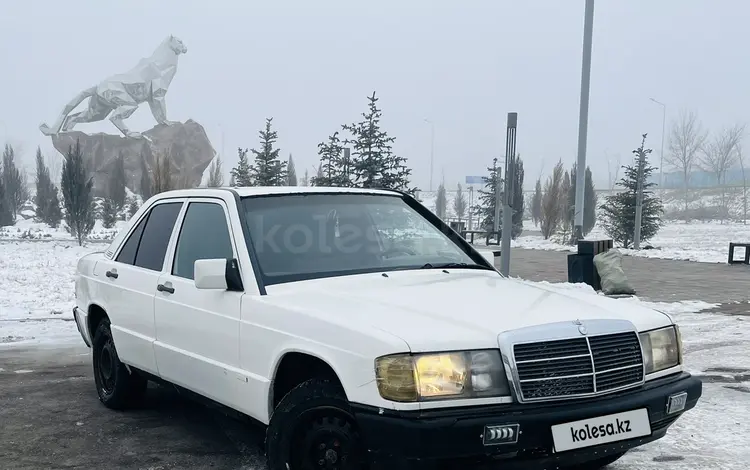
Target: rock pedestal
x,y
186,143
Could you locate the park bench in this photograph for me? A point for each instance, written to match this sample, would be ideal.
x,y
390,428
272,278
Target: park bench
x,y
732,246
486,234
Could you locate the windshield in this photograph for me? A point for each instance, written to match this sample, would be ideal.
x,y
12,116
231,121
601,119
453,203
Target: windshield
x,y
308,236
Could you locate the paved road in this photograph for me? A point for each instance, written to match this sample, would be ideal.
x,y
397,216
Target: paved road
x,y
50,418
653,279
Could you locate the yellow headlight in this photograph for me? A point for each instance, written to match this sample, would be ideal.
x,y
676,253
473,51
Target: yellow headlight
x,y
396,378
441,375
465,374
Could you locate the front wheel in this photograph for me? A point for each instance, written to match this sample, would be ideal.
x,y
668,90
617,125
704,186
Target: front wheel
x,y
116,386
312,428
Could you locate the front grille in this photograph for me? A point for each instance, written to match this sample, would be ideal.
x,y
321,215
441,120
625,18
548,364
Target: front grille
x,y
579,366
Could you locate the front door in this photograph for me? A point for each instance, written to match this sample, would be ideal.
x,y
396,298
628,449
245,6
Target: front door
x,y
197,331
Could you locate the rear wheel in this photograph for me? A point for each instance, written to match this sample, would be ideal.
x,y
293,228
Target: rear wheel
x,y
313,429
117,387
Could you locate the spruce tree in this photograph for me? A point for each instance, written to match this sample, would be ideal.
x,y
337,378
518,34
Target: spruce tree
x,y
618,212
459,204
485,209
13,182
333,167
291,172
536,203
54,212
132,207
46,199
215,174
267,169
589,203
305,179
43,182
146,191
240,174
109,213
77,188
117,183
441,202
373,163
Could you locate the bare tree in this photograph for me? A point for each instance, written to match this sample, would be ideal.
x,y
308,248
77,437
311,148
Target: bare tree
x,y
215,174
719,155
550,217
613,178
741,159
161,179
686,139
460,204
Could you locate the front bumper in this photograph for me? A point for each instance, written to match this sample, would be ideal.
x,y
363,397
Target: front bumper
x,y
456,435
81,318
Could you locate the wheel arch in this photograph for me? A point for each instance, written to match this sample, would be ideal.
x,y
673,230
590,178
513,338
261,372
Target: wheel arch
x,y
294,367
95,317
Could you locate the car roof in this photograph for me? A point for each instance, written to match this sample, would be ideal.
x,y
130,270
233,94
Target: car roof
x,y
277,190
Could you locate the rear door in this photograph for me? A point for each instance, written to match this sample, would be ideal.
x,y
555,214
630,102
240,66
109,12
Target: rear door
x,y
130,282
197,331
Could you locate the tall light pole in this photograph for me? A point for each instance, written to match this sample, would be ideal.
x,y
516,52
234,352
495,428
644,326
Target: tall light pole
x,y
661,154
432,148
583,117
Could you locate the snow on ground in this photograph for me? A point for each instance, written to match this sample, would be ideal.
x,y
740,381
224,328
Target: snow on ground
x,y
37,286
703,242
31,230
36,281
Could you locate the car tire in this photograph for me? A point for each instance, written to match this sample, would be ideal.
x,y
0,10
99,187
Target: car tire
x,y
313,427
117,387
600,463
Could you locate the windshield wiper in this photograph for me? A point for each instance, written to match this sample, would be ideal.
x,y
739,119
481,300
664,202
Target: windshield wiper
x,y
455,265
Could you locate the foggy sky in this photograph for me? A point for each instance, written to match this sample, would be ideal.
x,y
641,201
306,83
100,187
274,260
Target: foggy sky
x,y
462,64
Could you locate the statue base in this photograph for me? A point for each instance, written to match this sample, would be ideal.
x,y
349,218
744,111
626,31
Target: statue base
x,y
186,143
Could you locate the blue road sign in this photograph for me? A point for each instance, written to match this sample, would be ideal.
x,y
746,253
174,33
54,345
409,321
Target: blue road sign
x,y
475,180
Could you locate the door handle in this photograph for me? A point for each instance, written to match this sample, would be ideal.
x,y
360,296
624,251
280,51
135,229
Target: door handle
x,y
163,288
112,273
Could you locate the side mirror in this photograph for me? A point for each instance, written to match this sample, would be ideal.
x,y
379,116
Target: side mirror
x,y
220,273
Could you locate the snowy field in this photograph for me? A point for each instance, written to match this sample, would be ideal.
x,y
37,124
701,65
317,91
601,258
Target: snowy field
x,y
36,279
703,242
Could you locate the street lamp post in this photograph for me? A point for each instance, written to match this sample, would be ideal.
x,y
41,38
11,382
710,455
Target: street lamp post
x,y
432,148
583,117
661,154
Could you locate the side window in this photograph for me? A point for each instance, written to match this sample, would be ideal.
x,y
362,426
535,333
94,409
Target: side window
x,y
127,254
204,235
156,235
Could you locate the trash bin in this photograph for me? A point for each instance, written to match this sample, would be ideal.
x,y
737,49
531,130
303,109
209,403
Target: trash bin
x,y
581,265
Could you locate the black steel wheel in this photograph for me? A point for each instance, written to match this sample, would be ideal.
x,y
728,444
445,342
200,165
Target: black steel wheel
x,y
117,387
312,429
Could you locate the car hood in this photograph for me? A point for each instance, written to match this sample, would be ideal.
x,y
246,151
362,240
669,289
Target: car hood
x,y
452,309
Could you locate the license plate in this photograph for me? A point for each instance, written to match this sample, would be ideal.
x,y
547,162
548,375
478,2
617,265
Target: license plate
x,y
601,430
